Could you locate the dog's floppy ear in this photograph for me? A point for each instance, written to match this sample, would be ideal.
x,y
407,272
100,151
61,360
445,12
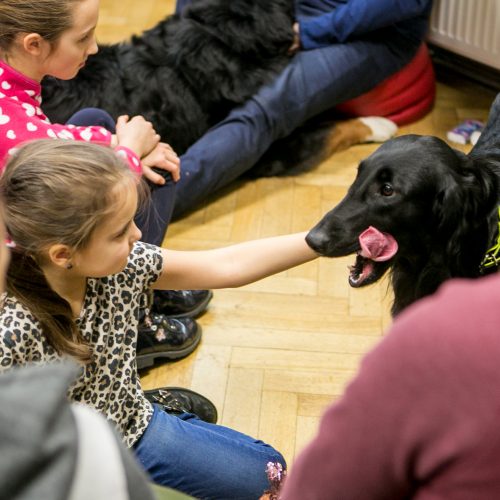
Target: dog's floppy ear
x,y
447,208
469,189
466,197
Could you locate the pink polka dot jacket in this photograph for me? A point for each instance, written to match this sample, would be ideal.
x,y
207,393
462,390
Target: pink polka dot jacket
x,y
22,119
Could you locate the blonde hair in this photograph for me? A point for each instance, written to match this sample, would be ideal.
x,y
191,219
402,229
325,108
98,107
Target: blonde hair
x,y
56,191
48,18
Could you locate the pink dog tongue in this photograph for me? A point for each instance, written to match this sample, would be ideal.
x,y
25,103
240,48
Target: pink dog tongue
x,y
377,246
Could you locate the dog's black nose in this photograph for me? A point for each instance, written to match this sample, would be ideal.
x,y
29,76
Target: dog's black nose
x,y
317,240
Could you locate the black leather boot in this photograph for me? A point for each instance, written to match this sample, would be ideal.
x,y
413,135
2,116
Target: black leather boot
x,y
181,303
177,400
163,337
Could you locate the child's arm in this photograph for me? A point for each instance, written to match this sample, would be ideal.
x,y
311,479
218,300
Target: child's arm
x,y
232,266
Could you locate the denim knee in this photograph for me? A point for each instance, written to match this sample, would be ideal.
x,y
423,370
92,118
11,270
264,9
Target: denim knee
x,y
87,117
204,460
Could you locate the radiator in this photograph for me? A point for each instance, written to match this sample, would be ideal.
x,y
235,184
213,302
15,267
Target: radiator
x,y
470,28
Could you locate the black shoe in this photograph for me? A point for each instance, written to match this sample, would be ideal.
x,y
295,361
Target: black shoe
x,y
181,303
177,400
162,337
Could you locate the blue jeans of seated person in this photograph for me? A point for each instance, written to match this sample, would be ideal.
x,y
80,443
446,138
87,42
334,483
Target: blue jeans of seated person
x,y
204,460
154,217
313,82
88,117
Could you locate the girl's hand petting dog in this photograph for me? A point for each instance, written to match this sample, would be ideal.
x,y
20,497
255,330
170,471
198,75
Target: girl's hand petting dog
x,y
164,157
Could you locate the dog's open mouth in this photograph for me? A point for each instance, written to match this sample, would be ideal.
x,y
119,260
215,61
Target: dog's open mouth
x,y
377,249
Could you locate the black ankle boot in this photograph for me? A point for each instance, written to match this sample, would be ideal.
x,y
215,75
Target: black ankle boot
x,y
181,303
177,400
163,337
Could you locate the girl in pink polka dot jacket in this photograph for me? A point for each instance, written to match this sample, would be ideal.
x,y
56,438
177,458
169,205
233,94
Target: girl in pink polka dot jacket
x,y
54,37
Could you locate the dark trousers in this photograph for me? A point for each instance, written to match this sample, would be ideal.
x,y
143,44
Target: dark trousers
x,y
313,82
154,217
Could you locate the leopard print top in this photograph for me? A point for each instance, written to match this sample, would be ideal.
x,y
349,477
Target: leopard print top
x,y
109,383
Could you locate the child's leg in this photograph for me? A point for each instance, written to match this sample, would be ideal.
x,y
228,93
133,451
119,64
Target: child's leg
x,y
313,8
313,81
154,218
93,116
305,8
204,460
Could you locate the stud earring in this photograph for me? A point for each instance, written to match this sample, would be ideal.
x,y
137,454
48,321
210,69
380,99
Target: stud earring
x,y
69,265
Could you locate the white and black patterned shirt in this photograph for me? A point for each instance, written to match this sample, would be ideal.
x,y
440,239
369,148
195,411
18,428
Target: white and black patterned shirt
x,y
108,322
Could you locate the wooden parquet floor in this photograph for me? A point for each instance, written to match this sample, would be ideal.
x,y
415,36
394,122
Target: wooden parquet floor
x,y
274,354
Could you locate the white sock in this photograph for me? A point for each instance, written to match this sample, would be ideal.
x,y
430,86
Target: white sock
x,y
382,128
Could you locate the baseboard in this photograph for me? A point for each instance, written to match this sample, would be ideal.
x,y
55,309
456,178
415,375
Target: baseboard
x,y
445,60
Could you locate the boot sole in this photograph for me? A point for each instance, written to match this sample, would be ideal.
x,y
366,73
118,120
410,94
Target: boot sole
x,y
147,360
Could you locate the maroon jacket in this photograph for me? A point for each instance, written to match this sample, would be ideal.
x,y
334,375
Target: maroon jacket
x,y
422,418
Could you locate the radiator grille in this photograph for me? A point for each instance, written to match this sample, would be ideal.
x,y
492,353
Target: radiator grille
x,y
469,28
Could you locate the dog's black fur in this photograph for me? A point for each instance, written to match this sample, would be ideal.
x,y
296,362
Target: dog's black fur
x,y
439,204
186,73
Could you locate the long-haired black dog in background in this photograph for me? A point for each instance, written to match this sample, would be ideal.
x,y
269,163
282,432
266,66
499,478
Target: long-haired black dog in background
x,y
440,205
186,73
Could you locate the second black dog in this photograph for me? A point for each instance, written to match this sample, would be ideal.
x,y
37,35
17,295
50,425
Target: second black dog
x,y
186,73
439,205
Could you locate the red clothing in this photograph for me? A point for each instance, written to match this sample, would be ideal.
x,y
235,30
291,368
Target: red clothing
x,y
421,419
21,119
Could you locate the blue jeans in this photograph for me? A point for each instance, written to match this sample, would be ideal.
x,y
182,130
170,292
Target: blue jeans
x,y
204,460
88,117
313,82
154,217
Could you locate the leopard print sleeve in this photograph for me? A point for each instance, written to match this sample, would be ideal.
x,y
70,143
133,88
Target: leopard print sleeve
x,y
145,265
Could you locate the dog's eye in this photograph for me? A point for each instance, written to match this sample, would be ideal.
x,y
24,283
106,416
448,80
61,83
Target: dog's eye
x,y
387,190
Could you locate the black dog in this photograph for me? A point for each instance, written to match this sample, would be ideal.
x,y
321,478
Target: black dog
x,y
439,205
186,73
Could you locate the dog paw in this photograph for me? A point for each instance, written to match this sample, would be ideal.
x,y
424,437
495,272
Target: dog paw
x,y
382,129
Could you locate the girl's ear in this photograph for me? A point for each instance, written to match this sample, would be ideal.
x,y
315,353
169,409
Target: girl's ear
x,y
33,43
60,255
